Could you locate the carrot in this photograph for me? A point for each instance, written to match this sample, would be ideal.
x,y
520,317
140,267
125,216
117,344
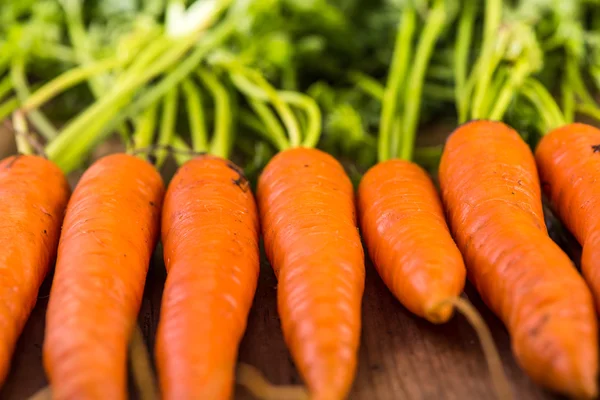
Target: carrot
x,y
491,193
109,233
307,211
210,239
210,236
568,159
401,218
33,197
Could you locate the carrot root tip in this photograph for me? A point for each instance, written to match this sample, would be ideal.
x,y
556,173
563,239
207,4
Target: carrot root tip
x,y
251,378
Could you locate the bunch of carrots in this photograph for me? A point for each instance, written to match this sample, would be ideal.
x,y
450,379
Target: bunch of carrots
x,y
486,219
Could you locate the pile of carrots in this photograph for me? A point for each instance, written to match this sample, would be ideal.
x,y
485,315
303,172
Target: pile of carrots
x,y
210,232
484,224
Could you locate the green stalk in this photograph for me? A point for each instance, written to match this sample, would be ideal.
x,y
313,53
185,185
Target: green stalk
x,y
313,115
589,110
6,86
66,81
221,140
180,144
195,112
545,105
577,83
439,92
243,80
8,107
367,84
20,127
92,125
516,77
17,73
441,72
78,36
273,129
568,101
398,68
461,57
414,90
143,60
167,123
491,26
145,128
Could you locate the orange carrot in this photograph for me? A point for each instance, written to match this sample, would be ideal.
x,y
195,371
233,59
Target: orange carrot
x,y
491,192
33,197
109,233
401,219
568,159
306,203
210,237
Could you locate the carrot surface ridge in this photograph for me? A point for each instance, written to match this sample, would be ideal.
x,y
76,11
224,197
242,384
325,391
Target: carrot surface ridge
x,y
33,197
109,233
210,237
491,192
568,160
307,210
401,219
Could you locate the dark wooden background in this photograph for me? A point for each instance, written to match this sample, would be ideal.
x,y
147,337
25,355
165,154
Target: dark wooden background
x,y
401,356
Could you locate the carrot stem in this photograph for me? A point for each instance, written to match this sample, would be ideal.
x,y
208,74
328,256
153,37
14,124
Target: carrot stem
x,y
21,132
66,81
398,68
78,36
141,367
414,90
260,89
251,378
221,139
506,94
487,61
41,123
180,156
173,78
461,57
367,84
94,123
544,103
6,86
8,107
167,123
145,128
195,112
589,110
273,130
568,101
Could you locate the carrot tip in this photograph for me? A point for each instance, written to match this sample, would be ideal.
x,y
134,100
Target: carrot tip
x,y
251,378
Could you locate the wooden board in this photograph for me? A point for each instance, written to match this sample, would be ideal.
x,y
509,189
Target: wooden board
x,y
401,356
